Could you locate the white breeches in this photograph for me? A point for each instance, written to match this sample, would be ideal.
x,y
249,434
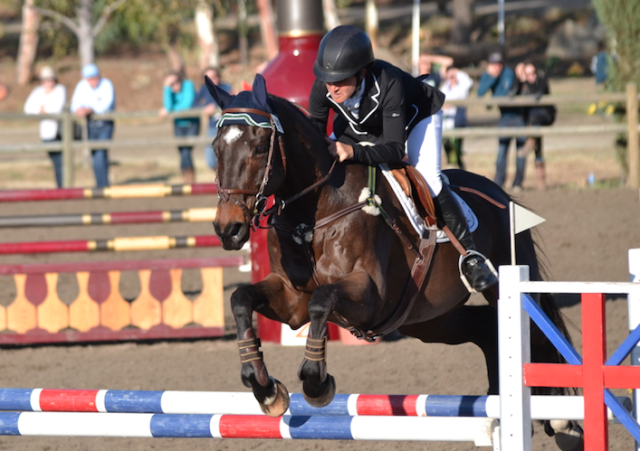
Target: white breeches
x,y
424,147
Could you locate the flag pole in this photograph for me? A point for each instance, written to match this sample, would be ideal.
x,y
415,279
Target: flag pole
x,y
512,231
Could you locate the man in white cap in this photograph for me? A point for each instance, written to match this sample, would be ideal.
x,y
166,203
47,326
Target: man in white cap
x,y
49,98
95,95
502,81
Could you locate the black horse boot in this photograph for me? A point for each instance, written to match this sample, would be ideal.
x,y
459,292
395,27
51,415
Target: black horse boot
x,y
473,265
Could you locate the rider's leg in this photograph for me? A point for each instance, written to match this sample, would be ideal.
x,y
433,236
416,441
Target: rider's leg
x,y
423,148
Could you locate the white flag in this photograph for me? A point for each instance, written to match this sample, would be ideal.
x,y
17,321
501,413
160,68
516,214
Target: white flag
x,y
525,219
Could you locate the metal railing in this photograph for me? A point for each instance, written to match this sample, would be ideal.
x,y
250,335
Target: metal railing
x,y
630,98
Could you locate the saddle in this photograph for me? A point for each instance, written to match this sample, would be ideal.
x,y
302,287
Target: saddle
x,y
416,188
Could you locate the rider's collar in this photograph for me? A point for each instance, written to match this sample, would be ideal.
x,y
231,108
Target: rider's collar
x,y
353,103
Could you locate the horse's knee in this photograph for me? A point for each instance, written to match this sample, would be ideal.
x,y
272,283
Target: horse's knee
x,y
241,304
322,303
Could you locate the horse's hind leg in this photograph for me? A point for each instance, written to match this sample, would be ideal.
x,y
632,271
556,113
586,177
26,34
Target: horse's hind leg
x,y
272,395
356,296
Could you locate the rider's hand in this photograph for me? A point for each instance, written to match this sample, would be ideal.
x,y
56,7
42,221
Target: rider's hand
x,y
339,150
345,151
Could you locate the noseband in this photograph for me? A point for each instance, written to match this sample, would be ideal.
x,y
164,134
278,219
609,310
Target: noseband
x,y
224,194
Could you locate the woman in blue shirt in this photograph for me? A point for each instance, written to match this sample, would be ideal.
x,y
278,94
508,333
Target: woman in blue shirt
x,y
178,95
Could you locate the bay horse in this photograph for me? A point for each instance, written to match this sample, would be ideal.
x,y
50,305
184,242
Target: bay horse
x,y
333,262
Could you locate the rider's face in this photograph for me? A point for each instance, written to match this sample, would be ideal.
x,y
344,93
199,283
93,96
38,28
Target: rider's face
x,y
343,89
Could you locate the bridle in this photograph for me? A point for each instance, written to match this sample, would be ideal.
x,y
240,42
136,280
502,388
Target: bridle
x,y
224,194
260,210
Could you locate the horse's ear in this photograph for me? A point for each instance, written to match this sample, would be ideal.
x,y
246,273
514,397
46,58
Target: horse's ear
x,y
220,96
260,95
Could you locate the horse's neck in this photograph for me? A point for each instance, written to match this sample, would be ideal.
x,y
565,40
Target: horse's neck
x,y
304,168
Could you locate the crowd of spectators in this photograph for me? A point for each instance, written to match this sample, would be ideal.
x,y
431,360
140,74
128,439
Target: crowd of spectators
x,y
502,81
95,95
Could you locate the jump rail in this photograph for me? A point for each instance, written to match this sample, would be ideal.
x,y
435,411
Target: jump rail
x,y
244,403
113,192
121,217
477,430
140,243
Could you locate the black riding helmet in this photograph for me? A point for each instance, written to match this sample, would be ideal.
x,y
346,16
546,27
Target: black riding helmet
x,y
343,52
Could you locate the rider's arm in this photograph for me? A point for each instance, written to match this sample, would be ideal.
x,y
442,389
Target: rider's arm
x,y
390,148
319,106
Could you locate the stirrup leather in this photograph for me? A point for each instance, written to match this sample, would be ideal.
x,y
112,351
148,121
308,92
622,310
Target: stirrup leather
x,y
461,261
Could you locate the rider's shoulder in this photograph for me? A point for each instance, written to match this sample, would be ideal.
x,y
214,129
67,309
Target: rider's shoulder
x,y
386,71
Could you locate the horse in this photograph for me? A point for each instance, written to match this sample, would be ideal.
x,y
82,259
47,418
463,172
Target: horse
x,y
331,261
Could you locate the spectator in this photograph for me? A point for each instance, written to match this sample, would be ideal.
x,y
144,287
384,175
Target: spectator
x,y
178,95
435,66
456,86
4,92
49,98
600,64
204,99
534,83
503,82
95,95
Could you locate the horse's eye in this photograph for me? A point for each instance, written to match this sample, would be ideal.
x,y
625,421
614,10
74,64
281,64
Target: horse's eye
x,y
261,149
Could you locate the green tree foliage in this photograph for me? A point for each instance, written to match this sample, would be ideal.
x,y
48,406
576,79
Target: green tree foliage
x,y
142,22
621,18
622,21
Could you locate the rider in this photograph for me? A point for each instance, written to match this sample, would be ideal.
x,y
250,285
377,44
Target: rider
x,y
377,102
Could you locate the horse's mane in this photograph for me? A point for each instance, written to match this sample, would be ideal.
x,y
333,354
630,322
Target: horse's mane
x,y
291,115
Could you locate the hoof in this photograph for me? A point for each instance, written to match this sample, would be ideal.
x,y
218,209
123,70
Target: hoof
x,y
328,395
280,403
568,435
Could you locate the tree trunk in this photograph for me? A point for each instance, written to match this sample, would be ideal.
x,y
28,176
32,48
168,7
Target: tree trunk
x,y
243,33
85,32
175,60
331,19
268,28
372,23
28,43
209,53
462,21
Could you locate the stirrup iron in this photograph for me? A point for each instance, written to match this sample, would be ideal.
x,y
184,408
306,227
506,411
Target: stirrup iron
x,y
461,261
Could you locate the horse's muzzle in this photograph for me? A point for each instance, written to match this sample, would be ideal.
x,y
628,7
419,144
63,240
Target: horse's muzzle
x,y
233,235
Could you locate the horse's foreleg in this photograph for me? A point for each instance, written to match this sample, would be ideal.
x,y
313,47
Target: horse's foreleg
x,y
272,396
355,294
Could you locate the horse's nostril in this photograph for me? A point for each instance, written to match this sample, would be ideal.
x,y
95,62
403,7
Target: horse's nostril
x,y
235,229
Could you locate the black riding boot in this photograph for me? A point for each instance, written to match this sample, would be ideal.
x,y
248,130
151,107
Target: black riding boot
x,y
474,264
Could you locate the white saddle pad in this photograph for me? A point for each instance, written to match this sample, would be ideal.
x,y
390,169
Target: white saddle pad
x,y
416,220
